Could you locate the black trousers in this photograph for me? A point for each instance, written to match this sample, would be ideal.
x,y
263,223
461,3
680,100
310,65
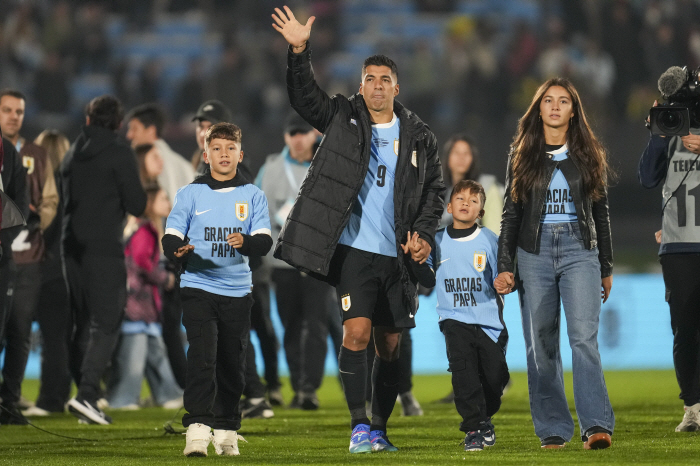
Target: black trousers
x,y
218,331
19,331
56,325
172,333
682,278
479,371
8,272
97,293
302,303
261,322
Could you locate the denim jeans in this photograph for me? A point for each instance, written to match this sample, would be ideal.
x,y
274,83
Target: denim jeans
x,y
563,272
139,355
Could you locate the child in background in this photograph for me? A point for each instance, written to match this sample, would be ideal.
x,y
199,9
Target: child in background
x,y
462,267
141,350
217,222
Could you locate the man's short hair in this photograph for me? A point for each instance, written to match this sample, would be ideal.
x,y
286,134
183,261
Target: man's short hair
x,y
149,115
105,111
381,60
223,130
13,93
471,186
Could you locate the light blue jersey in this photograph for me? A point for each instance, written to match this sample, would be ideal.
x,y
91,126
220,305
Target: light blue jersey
x,y
559,203
465,269
207,217
371,224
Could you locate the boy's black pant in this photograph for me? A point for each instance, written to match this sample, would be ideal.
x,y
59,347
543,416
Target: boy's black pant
x,y
479,371
218,330
682,278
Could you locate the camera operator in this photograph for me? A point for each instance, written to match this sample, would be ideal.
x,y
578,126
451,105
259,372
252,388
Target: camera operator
x,y
673,159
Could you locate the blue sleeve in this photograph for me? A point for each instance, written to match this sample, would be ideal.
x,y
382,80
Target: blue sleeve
x,y
654,162
178,222
260,223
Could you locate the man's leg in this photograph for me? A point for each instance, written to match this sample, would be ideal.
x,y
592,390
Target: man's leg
x,y
386,375
314,342
352,364
288,293
172,334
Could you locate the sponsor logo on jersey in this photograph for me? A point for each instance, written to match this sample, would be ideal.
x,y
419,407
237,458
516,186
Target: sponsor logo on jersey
x,y
345,301
241,210
480,261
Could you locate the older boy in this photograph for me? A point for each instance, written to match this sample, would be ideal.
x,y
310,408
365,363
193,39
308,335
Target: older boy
x,y
217,222
471,312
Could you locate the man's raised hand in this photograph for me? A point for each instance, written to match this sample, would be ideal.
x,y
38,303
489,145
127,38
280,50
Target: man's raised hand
x,y
294,32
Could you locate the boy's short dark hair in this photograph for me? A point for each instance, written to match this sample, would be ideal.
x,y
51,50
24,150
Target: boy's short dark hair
x,y
149,115
223,130
13,93
105,111
381,60
471,186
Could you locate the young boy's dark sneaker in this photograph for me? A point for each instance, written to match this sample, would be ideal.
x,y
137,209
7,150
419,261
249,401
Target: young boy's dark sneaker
x,y
474,441
597,438
89,412
554,442
11,415
489,434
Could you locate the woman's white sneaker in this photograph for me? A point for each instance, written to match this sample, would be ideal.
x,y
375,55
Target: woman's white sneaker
x,y
691,419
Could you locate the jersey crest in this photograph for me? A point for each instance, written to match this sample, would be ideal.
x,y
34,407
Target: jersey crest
x,y
241,210
345,301
480,261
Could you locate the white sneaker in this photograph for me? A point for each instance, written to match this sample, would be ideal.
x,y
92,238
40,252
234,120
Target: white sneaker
x,y
691,419
197,438
35,411
226,442
175,403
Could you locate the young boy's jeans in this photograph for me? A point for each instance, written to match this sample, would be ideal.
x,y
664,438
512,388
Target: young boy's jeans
x,y
218,329
479,371
139,355
563,271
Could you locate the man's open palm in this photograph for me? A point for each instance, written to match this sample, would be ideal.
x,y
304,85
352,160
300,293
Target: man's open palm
x,y
294,32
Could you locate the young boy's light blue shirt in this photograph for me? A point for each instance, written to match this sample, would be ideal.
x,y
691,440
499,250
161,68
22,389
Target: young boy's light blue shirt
x,y
371,225
465,269
207,217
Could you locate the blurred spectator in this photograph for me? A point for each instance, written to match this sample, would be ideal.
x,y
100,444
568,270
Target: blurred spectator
x,y
150,163
51,89
91,45
100,184
53,311
209,113
21,35
146,124
191,91
58,29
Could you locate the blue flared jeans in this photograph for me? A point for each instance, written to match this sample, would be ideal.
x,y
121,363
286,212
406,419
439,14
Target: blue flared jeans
x,y
563,272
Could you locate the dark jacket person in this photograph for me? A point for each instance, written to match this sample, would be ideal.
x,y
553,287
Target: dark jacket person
x,y
99,185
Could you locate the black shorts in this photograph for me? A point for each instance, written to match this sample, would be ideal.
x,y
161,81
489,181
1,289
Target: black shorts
x,y
369,285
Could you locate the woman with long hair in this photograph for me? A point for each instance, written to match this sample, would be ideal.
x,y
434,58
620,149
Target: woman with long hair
x,y
555,220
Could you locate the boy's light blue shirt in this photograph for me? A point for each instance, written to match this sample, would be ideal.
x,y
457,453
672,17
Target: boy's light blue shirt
x,y
207,217
559,204
371,225
465,269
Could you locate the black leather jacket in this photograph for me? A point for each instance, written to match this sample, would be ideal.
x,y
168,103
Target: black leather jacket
x,y
521,222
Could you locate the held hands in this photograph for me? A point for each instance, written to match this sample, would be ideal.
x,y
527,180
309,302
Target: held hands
x,y
235,240
184,250
657,235
419,249
504,283
607,286
294,32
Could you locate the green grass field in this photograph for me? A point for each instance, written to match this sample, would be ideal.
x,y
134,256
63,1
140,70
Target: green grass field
x,y
645,403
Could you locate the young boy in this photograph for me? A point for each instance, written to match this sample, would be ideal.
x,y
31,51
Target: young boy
x,y
216,223
471,312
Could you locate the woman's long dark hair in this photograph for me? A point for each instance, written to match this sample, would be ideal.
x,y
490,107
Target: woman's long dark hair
x,y
527,152
474,170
